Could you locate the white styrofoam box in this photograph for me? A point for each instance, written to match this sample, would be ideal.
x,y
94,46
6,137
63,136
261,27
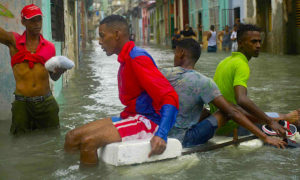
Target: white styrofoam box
x,y
135,152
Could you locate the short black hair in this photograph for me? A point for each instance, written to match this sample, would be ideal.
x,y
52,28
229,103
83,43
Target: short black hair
x,y
243,28
191,46
212,27
116,21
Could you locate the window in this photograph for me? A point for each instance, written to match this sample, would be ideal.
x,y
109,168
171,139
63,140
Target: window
x,y
57,20
214,13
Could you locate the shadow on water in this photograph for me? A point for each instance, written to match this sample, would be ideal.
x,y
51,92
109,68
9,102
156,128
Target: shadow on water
x,y
92,94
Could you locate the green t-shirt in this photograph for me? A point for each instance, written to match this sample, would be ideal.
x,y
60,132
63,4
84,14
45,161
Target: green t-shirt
x,y
232,71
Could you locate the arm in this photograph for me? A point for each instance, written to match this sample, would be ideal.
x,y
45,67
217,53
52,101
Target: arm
x,y
233,113
208,36
219,36
248,105
7,38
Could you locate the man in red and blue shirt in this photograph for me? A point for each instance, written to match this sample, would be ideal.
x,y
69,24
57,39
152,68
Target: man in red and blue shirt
x,y
151,103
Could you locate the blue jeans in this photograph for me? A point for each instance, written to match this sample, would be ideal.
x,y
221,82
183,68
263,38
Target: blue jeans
x,y
201,132
212,48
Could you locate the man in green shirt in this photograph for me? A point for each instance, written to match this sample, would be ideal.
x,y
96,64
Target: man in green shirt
x,y
232,75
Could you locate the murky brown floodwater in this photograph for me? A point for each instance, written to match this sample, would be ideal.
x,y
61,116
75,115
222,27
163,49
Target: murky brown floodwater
x,y
92,94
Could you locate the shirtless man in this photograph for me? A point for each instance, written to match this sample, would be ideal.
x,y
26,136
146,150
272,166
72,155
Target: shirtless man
x,y
34,106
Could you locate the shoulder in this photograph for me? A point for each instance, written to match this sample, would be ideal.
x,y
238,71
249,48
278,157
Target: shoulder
x,y
49,43
166,70
194,76
137,51
199,80
50,47
16,35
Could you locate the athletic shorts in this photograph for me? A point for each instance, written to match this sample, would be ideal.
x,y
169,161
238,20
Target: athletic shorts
x,y
135,127
28,115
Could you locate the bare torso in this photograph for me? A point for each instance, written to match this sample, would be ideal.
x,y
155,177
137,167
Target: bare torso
x,y
30,82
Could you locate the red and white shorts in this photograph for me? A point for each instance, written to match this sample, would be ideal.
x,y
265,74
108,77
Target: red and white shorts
x,y
135,127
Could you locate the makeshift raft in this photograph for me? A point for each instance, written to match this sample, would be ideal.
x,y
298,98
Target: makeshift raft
x,y
136,152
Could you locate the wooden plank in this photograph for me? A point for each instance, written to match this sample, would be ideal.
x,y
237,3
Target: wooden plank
x,y
205,148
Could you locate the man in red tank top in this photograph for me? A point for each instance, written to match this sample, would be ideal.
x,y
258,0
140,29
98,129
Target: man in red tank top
x,y
34,106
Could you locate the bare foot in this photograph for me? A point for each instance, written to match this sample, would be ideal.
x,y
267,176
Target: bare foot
x,y
293,117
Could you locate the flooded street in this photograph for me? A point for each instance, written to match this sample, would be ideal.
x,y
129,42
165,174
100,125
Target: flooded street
x,y
92,94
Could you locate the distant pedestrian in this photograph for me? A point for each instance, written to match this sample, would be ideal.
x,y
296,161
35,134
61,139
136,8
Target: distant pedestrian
x,y
233,37
212,40
188,32
224,38
175,38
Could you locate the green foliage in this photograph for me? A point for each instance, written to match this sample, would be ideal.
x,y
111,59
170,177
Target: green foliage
x,y
5,12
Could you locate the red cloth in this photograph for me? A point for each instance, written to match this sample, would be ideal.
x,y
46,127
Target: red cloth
x,y
137,74
44,51
25,55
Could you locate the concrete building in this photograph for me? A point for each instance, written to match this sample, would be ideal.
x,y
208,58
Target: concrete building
x,y
278,20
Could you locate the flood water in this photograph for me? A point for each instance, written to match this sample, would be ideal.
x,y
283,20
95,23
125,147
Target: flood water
x,y
92,94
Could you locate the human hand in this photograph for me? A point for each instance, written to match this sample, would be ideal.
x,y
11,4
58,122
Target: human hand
x,y
59,70
280,130
275,141
158,146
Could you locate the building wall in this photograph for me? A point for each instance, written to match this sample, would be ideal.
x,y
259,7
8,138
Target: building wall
x,y
241,5
193,13
205,15
223,19
70,47
277,22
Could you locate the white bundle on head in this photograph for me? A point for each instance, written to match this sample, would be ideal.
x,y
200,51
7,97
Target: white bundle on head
x,y
59,62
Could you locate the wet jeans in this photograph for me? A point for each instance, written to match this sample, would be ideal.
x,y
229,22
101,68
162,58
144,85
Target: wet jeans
x,y
201,132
